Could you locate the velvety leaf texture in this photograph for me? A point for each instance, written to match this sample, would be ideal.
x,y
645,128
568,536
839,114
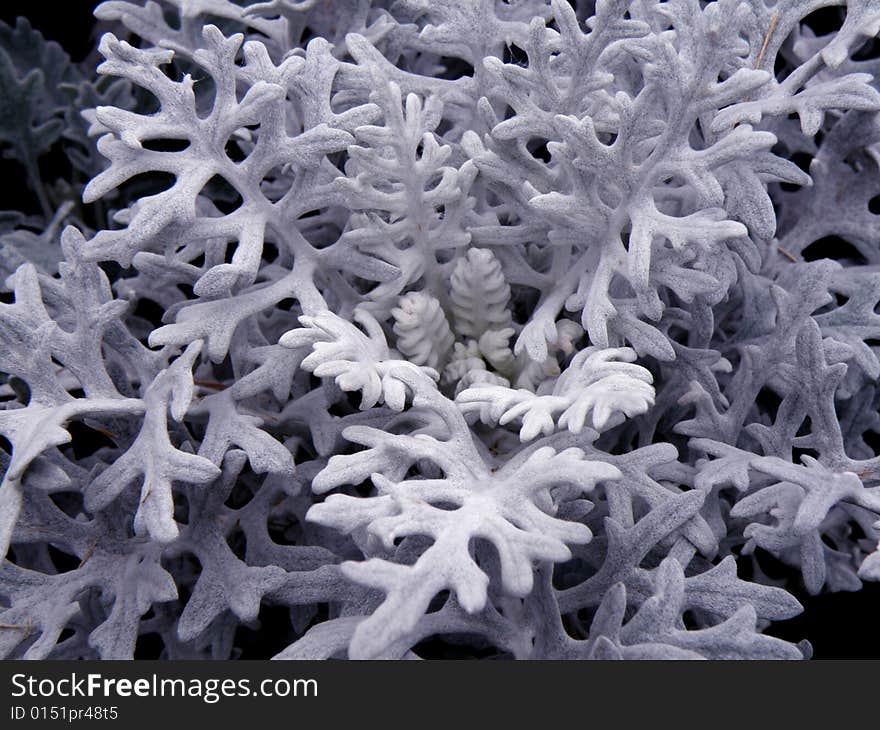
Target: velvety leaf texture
x,y
522,329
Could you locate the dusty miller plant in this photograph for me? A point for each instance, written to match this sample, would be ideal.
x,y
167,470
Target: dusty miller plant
x,y
492,323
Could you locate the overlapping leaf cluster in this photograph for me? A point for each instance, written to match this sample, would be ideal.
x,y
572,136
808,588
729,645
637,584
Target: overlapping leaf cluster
x,y
464,327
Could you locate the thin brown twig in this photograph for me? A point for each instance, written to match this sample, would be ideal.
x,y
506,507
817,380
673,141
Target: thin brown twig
x,y
788,254
109,434
763,52
18,627
88,554
773,21
212,384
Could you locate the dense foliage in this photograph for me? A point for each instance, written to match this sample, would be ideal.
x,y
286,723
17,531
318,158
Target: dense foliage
x,y
539,329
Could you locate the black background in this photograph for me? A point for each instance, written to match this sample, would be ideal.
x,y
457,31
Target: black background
x,y
839,626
